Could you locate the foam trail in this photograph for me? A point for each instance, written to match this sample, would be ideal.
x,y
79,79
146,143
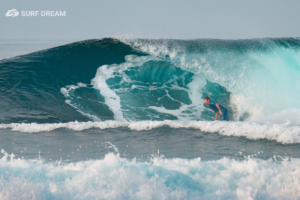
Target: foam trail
x,y
106,72
114,177
182,113
251,130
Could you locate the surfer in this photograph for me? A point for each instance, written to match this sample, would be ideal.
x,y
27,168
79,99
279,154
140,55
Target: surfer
x,y
217,108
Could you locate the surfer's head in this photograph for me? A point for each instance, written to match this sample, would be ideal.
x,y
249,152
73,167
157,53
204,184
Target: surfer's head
x,y
206,100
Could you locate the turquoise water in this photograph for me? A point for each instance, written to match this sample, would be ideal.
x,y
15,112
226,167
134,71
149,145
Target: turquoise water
x,y
124,119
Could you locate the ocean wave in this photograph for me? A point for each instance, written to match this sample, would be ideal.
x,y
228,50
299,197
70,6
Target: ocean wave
x,y
283,133
144,79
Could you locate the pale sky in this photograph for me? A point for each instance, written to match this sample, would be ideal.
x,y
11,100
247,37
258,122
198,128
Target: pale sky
x,y
86,19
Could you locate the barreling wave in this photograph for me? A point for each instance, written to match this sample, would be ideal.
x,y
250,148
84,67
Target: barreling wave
x,y
139,79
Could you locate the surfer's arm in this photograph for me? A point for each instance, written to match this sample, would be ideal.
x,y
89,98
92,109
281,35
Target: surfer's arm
x,y
216,115
217,105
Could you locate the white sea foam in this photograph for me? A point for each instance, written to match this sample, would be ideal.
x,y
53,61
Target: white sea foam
x,y
114,177
287,117
184,111
282,133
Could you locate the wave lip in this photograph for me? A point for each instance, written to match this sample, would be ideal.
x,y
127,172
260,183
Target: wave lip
x,y
285,134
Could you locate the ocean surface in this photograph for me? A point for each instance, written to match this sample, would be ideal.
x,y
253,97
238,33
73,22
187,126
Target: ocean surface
x,y
117,118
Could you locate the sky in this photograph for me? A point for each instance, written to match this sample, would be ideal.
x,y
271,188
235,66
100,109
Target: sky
x,y
178,19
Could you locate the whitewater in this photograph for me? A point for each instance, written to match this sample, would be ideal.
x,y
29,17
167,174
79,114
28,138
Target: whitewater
x,y
119,118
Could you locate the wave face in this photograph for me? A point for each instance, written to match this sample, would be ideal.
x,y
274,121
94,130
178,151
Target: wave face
x,y
134,80
31,84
